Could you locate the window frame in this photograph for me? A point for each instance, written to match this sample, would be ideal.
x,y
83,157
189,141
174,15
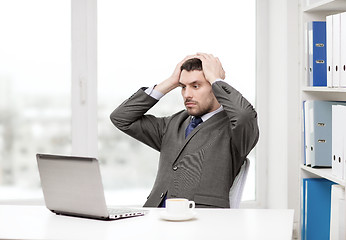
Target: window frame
x,y
84,116
84,86
84,77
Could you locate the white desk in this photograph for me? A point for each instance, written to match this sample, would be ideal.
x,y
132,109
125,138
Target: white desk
x,y
36,222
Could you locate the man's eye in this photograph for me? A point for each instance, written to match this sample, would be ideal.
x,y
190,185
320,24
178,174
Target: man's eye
x,y
195,86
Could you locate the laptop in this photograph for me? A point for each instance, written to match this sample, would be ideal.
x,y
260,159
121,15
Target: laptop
x,y
73,186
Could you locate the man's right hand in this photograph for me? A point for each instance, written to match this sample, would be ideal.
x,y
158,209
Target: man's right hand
x,y
173,81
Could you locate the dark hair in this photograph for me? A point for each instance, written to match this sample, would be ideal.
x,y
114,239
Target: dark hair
x,y
191,65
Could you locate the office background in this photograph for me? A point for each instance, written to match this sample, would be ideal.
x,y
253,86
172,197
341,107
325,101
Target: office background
x,y
131,52
276,93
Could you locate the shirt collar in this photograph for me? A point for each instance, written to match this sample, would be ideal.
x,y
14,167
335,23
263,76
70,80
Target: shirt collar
x,y
206,116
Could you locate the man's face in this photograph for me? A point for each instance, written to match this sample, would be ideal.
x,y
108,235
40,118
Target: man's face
x,y
199,98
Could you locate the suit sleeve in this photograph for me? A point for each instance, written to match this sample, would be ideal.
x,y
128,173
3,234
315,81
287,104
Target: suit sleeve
x,y
131,119
242,116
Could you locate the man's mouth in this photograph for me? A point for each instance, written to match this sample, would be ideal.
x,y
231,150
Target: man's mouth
x,y
190,103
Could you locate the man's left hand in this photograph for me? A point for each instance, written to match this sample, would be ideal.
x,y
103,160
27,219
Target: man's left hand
x,y
212,67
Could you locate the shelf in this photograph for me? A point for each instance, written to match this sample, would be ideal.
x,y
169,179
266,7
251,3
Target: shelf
x,y
327,5
324,173
324,89
318,10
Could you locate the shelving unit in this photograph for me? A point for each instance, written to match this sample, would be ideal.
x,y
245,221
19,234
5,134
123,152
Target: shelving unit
x,y
317,11
325,5
323,89
323,173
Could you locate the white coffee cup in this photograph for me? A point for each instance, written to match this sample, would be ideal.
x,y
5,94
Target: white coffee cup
x,y
179,206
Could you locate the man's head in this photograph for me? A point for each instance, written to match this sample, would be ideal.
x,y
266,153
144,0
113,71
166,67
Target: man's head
x,y
199,98
192,64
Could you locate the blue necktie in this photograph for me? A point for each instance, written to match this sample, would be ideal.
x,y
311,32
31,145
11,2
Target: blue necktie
x,y
194,123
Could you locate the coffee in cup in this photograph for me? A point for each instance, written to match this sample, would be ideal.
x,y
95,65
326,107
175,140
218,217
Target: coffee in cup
x,y
179,206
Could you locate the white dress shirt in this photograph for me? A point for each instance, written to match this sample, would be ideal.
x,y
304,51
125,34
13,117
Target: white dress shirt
x,y
151,91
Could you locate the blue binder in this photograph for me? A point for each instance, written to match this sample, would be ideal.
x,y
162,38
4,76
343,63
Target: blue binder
x,y
321,132
303,208
316,208
317,53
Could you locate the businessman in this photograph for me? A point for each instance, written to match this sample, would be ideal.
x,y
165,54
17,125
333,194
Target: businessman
x,y
202,147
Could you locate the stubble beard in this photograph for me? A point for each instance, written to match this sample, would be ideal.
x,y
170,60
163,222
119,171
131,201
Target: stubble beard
x,y
197,112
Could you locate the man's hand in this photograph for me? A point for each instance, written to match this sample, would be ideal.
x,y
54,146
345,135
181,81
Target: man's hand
x,y
173,81
212,67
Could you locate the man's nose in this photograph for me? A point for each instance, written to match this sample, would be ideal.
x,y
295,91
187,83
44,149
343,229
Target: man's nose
x,y
187,93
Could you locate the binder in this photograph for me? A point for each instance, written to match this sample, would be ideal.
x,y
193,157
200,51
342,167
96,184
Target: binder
x,y
306,55
317,53
329,42
343,145
319,135
316,208
337,213
338,120
303,134
336,50
308,125
303,208
343,50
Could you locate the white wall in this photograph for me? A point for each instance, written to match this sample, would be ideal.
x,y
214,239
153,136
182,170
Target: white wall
x,y
282,129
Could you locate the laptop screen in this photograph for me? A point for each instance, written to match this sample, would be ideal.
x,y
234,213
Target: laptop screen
x,y
72,185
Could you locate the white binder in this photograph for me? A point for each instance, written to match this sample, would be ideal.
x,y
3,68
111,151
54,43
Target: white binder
x,y
306,56
337,141
308,128
343,50
329,43
336,50
337,216
343,132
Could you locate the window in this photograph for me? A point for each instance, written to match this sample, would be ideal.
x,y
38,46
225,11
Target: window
x,y
34,89
139,44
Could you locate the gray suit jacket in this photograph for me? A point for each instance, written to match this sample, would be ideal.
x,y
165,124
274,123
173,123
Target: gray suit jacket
x,y
201,167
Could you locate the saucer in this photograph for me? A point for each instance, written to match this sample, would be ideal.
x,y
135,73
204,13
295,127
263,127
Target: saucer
x,y
184,217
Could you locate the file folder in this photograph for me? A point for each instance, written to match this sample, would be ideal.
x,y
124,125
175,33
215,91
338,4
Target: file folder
x,y
317,205
342,150
303,134
329,42
321,136
302,208
319,125
317,53
336,50
307,132
343,50
338,129
306,55
337,213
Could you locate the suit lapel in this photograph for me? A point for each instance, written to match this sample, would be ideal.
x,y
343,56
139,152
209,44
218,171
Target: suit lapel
x,y
216,117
